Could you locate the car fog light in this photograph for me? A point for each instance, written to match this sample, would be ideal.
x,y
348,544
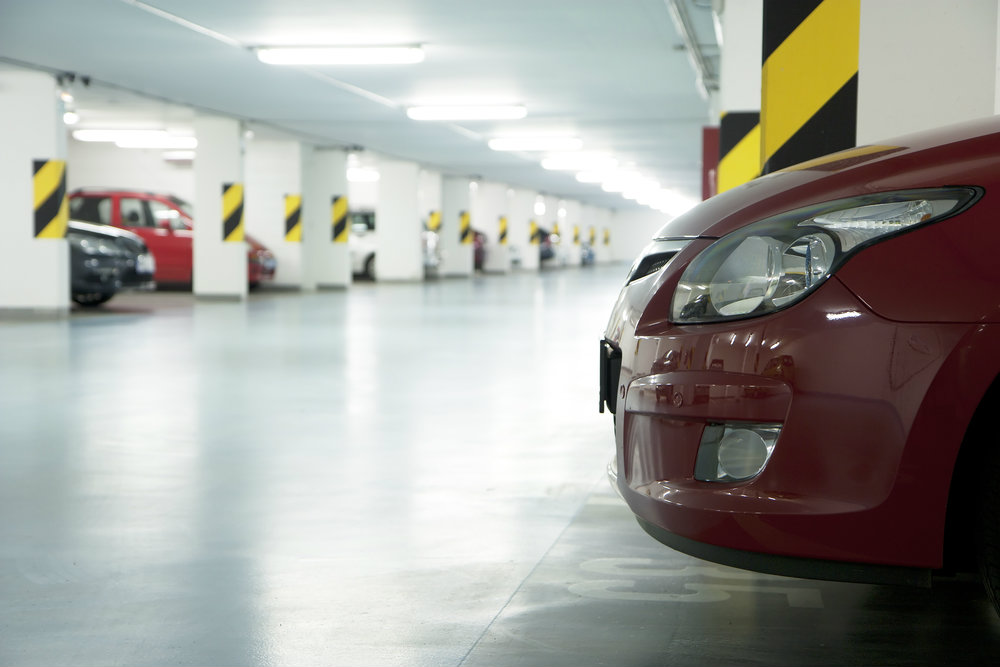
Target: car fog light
x,y
734,452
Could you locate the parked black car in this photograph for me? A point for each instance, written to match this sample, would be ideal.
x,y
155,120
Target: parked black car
x,y
104,260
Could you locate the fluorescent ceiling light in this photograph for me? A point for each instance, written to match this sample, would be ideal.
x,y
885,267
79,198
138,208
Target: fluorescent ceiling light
x,y
537,143
138,138
178,156
472,112
341,55
71,118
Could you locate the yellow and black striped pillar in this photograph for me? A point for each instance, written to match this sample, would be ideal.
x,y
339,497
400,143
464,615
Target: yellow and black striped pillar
x,y
555,230
593,236
739,149
607,236
502,236
50,206
434,221
534,233
576,234
465,228
809,81
338,217
232,212
293,218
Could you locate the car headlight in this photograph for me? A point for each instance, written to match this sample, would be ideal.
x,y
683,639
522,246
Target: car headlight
x,y
771,264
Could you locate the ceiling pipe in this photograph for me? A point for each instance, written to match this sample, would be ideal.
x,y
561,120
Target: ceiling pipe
x,y
707,79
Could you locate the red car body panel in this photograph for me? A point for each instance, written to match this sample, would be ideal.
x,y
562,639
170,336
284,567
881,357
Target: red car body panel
x,y
875,376
172,245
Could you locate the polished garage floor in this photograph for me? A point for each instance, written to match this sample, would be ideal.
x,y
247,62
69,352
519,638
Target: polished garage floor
x,y
392,475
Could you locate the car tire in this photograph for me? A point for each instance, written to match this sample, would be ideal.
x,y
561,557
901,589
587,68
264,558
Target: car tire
x,y
91,299
988,530
370,267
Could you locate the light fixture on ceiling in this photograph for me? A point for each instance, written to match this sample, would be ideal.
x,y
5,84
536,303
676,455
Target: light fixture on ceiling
x,y
71,118
530,143
340,55
468,112
178,156
138,138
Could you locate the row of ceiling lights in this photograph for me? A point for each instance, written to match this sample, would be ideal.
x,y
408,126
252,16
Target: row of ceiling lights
x,y
562,153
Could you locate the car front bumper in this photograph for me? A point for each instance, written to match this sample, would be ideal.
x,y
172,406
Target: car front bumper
x,y
839,497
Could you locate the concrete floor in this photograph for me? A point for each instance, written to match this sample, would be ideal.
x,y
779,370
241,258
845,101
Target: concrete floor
x,y
392,475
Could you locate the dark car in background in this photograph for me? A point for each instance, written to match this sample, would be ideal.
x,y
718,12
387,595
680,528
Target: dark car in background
x,y
805,370
105,260
165,223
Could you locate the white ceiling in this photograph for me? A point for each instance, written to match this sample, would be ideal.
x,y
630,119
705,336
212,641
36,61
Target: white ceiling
x,y
614,73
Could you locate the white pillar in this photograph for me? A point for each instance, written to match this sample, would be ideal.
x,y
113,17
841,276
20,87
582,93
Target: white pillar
x,y
326,263
491,205
34,273
923,64
573,236
456,199
550,221
604,250
220,267
521,204
398,253
274,171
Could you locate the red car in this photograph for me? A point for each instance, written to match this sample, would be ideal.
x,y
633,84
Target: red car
x,y
164,223
804,370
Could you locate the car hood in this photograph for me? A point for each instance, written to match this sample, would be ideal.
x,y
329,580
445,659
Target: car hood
x,y
955,155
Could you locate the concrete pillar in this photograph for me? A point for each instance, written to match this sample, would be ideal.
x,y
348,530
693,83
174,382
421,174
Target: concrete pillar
x,y
604,250
220,253
429,210
398,254
34,273
520,216
325,254
273,173
739,93
573,233
491,206
924,64
456,200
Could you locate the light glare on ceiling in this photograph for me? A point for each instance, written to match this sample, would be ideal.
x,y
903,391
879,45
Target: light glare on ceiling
x,y
341,55
138,138
536,143
468,112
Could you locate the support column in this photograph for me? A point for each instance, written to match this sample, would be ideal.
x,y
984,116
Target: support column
x,y
490,211
573,234
398,251
34,274
456,201
924,64
273,204
520,219
325,254
429,209
220,252
739,94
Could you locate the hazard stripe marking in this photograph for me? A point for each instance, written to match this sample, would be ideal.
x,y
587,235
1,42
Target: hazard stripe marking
x,y
232,212
503,230
51,210
465,227
293,218
338,214
816,61
534,233
434,221
739,149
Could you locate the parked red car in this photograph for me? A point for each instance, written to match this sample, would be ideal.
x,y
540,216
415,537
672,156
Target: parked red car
x,y
804,370
164,223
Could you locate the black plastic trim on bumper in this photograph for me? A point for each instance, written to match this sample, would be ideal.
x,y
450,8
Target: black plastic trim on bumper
x,y
790,566
611,368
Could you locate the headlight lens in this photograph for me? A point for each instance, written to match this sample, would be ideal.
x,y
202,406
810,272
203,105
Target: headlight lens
x,y
776,262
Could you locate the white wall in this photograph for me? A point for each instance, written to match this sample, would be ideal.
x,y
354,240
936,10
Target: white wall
x,y
102,164
924,64
631,230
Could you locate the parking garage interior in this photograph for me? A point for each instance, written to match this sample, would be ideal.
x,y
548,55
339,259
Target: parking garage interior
x,y
405,467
